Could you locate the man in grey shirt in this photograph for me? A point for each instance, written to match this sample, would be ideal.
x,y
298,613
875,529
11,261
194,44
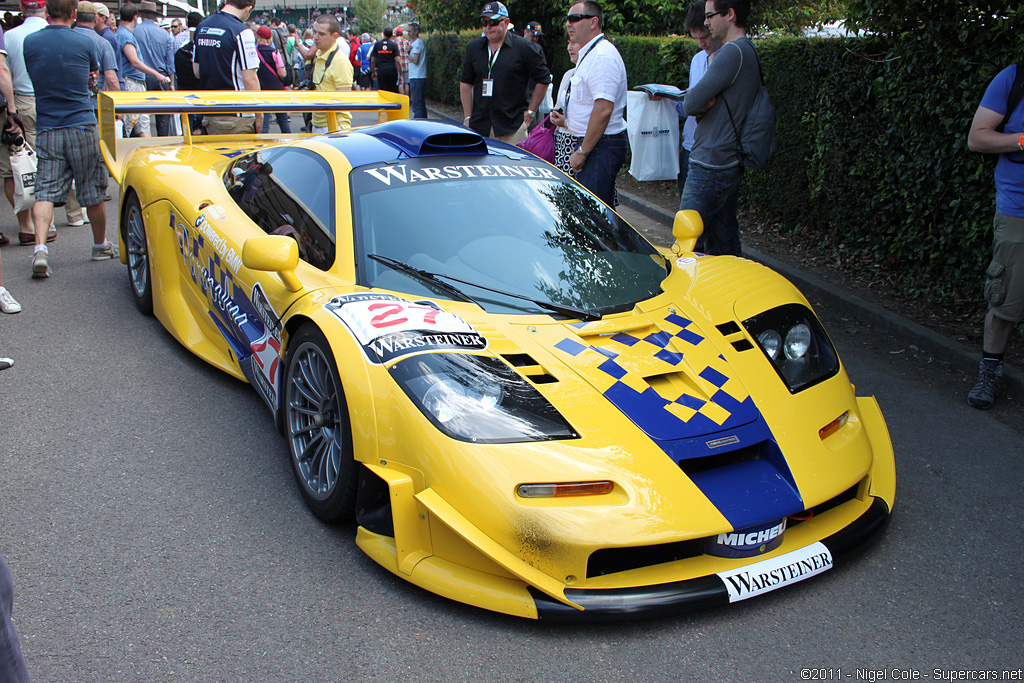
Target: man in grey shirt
x,y
721,101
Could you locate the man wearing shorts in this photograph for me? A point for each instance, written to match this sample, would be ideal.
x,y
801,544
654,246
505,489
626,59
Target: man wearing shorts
x,y
132,71
67,143
997,129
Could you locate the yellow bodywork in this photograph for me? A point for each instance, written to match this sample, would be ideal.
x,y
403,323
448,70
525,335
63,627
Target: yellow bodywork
x,y
460,529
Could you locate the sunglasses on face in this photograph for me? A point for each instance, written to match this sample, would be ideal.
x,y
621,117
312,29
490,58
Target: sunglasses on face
x,y
573,18
708,15
490,22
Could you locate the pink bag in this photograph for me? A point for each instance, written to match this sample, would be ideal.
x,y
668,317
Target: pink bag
x,y
541,141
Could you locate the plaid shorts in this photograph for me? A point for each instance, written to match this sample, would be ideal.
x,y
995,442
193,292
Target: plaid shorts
x,y
67,154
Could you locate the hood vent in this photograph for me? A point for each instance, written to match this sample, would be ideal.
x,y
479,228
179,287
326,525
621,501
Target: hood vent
x,y
529,368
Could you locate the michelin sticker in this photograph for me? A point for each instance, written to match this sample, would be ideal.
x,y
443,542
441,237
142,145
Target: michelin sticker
x,y
388,327
767,575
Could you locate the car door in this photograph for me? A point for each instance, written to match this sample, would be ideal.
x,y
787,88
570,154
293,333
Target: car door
x,y
283,191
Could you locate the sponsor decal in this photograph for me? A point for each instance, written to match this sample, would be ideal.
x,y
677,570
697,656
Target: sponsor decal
x,y
388,327
725,441
685,261
248,323
747,542
401,174
767,575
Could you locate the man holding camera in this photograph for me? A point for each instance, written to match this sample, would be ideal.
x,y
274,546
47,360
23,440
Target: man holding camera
x,y
331,69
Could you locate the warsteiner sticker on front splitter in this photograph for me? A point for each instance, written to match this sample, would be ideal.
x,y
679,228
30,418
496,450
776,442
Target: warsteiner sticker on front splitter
x,y
767,575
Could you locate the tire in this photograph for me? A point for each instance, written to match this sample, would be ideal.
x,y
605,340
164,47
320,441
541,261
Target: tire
x,y
133,231
316,427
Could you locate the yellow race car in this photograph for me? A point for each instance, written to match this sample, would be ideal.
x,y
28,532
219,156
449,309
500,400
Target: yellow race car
x,y
524,404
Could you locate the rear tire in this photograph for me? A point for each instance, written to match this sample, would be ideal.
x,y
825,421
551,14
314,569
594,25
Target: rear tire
x,y
133,231
316,426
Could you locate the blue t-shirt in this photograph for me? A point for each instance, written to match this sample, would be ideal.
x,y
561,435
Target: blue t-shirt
x,y
1010,167
124,67
63,99
363,55
107,59
155,46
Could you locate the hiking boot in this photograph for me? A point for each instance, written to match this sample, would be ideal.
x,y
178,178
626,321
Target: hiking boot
x,y
107,251
7,302
41,264
984,393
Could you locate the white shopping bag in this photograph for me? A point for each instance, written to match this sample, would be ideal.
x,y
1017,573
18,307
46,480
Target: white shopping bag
x,y
23,168
653,132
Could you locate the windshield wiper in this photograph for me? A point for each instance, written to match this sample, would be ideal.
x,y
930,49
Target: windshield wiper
x,y
563,309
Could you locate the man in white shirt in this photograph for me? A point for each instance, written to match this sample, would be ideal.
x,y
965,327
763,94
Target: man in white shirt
x,y
595,103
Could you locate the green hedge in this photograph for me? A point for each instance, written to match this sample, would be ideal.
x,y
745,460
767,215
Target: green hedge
x,y
871,160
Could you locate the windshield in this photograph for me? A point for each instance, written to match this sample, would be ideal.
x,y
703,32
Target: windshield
x,y
520,227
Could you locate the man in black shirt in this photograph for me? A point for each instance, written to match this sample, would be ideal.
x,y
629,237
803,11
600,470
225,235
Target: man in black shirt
x,y
494,76
384,62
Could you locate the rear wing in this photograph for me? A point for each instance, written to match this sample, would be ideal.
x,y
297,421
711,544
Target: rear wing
x,y
182,103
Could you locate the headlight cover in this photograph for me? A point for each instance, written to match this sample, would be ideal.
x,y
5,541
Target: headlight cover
x,y
796,344
478,399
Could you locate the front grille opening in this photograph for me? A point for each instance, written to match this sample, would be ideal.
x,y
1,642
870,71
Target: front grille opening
x,y
847,495
612,560
694,466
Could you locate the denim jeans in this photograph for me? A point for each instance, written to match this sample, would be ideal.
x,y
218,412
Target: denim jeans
x,y
283,121
417,98
713,193
602,165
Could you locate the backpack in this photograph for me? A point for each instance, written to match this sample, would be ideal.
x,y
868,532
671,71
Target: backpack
x,y
1016,94
757,140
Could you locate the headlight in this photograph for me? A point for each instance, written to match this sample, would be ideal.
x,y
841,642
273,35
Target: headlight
x,y
478,399
796,344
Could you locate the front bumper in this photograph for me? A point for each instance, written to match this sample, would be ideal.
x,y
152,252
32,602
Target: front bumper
x,y
666,599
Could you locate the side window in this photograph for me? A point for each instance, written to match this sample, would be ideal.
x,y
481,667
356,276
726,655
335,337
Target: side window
x,y
288,192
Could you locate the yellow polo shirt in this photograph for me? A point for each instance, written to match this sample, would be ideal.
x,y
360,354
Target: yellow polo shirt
x,y
337,77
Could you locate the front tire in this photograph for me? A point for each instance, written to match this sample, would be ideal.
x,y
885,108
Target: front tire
x,y
317,427
133,228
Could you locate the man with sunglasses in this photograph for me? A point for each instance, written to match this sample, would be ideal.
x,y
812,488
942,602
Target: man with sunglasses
x,y
595,102
721,101
494,76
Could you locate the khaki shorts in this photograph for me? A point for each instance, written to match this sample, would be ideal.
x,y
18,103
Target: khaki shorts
x,y
513,138
1004,279
135,122
230,125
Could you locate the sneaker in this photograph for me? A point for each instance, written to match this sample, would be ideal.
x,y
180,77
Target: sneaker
x,y
107,251
75,224
7,302
5,363
984,393
41,265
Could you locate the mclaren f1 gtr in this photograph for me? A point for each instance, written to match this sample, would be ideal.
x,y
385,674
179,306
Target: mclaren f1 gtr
x,y
523,404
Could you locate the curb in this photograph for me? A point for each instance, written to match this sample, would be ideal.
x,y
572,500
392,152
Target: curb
x,y
962,358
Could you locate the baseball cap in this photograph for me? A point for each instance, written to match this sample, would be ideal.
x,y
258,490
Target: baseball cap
x,y
86,7
535,27
33,4
398,31
264,32
102,9
494,10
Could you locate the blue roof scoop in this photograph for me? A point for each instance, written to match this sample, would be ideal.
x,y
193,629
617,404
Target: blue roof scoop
x,y
419,138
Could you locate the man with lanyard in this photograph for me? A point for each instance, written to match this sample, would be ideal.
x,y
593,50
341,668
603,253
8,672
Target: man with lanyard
x,y
492,86
331,70
721,101
225,58
998,128
595,102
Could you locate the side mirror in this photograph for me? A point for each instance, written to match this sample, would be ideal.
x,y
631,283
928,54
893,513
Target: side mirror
x,y
686,228
273,254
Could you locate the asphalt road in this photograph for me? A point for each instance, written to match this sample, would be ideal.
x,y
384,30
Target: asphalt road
x,y
154,531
